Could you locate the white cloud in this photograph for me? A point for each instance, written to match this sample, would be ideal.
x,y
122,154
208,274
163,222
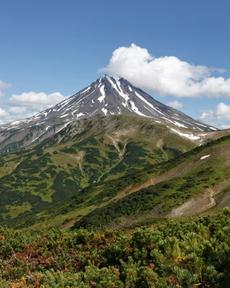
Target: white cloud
x,y
36,101
17,110
3,86
15,113
175,104
219,116
3,113
223,111
27,104
166,75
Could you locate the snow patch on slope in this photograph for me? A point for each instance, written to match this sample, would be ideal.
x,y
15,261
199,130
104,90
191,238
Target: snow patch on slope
x,y
79,115
205,157
87,89
113,84
125,96
149,104
104,110
185,135
136,110
102,91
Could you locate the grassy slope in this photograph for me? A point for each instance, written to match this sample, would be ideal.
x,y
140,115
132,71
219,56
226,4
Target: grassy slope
x,y
178,180
71,173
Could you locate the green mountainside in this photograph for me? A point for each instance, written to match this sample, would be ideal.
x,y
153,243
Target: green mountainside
x,y
186,185
79,163
90,169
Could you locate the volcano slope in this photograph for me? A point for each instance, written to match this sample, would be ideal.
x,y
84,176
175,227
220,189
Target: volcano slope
x,y
67,172
195,182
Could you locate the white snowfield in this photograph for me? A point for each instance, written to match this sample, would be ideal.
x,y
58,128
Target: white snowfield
x,y
102,97
185,135
105,111
205,157
79,115
136,110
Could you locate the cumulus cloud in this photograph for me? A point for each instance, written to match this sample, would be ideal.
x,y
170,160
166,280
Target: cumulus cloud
x,y
219,116
17,110
175,104
167,75
3,86
3,113
36,101
20,106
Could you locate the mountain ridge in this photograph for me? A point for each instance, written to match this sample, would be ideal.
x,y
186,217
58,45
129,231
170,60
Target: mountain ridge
x,y
106,97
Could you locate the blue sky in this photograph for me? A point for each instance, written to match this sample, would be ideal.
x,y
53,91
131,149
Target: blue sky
x,y
58,46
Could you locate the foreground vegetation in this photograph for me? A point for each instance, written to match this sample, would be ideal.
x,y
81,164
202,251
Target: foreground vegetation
x,y
192,252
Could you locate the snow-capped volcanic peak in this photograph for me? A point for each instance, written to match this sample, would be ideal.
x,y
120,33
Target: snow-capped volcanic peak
x,y
106,96
110,96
